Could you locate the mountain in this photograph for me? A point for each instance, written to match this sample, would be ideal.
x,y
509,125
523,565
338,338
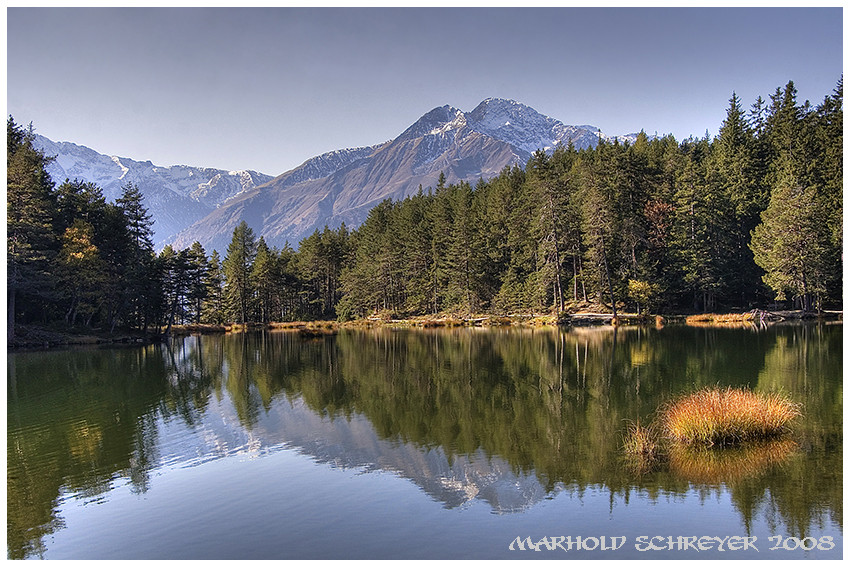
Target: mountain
x,y
204,204
175,196
464,146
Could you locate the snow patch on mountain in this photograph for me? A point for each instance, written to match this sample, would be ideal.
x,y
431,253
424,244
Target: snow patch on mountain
x,y
174,195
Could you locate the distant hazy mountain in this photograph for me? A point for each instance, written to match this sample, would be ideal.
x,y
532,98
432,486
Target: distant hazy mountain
x,y
193,203
465,146
175,196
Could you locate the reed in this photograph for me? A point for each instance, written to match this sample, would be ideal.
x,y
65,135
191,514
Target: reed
x,y
642,448
640,441
727,417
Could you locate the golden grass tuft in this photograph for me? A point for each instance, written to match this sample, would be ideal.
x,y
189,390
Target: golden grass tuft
x,y
727,417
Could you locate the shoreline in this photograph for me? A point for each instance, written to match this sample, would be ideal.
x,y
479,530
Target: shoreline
x,y
36,338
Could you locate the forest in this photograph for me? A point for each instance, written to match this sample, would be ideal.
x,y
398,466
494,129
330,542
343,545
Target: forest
x,y
751,217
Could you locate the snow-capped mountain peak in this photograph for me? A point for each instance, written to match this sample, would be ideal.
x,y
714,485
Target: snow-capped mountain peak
x,y
205,204
437,121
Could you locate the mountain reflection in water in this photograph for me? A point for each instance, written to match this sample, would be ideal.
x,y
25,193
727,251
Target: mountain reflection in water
x,y
508,417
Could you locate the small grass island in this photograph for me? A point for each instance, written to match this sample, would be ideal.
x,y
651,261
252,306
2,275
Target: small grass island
x,y
711,418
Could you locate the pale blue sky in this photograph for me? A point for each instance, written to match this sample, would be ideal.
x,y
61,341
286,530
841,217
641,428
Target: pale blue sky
x,y
266,89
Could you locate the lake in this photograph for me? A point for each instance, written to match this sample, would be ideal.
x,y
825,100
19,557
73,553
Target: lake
x,y
417,444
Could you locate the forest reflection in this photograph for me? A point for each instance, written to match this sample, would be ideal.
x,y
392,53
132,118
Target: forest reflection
x,y
551,404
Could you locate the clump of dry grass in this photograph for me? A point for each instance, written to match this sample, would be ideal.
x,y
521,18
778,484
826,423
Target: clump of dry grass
x,y
717,318
642,448
714,435
640,441
727,417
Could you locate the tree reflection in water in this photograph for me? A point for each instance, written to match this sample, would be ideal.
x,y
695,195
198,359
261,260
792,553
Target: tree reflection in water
x,y
546,406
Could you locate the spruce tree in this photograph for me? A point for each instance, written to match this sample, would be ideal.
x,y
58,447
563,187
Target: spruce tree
x,y
140,288
237,273
792,245
263,281
197,266
31,243
213,309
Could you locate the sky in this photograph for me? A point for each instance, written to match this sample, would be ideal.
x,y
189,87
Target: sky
x,y
267,88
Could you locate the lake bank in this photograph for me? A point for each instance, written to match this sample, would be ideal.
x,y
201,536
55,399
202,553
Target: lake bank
x,y
33,337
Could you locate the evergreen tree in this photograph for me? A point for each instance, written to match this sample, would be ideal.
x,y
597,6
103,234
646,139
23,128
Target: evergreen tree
x,y
734,170
701,224
416,233
792,245
140,288
31,243
263,281
197,266
461,258
237,273
373,282
80,200
598,226
213,309
547,222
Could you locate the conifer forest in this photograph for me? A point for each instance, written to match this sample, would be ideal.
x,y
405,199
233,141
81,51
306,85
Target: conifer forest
x,y
749,218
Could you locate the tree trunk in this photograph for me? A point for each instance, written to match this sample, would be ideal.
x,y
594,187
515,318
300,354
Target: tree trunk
x,y
608,276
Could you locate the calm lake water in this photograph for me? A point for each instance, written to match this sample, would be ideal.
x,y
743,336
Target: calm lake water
x,y
416,444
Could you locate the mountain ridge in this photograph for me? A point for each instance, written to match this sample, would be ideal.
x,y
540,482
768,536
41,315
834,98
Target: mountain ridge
x,y
205,204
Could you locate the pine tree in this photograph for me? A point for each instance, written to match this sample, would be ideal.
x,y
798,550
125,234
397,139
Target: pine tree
x,y
792,245
213,309
460,254
237,273
828,136
139,288
139,221
734,170
31,243
197,266
548,226
598,226
702,228
263,281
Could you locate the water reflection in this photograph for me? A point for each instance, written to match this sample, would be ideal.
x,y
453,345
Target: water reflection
x,y
505,416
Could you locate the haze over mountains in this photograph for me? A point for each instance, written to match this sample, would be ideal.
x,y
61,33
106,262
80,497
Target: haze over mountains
x,y
203,204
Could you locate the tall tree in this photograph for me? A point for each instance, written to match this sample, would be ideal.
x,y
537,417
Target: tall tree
x,y
139,292
213,310
30,207
547,192
197,266
237,272
792,245
81,272
599,225
264,281
735,172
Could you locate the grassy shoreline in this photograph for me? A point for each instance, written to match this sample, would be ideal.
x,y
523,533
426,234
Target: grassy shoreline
x,y
29,337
